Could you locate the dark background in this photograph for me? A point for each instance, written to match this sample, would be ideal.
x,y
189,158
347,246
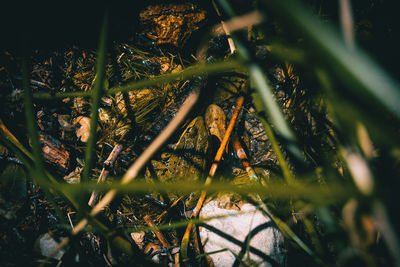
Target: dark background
x,y
56,24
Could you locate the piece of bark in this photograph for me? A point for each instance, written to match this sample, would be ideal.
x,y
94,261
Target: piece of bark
x,y
54,152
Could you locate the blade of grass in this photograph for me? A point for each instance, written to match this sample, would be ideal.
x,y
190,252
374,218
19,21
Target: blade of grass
x,y
192,71
38,172
260,83
17,151
320,194
292,235
11,138
213,169
272,109
96,95
347,113
134,169
46,181
354,68
287,174
31,124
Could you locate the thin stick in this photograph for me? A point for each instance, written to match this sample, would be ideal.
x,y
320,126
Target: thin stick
x,y
162,239
347,23
133,171
241,154
225,28
105,171
213,169
238,23
166,211
159,235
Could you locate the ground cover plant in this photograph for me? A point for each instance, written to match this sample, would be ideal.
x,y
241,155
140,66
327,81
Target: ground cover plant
x,y
109,152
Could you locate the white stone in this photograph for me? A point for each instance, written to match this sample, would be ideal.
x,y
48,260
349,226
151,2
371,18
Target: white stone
x,y
47,245
238,224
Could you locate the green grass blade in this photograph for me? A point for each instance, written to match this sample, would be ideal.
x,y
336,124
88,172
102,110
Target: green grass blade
x,y
261,84
355,69
18,152
31,124
187,73
287,174
319,194
97,93
38,172
15,142
272,109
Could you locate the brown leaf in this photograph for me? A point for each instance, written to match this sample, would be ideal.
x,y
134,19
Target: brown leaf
x,y
215,121
83,130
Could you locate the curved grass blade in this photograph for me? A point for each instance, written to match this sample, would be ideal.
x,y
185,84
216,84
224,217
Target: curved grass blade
x,y
353,67
37,171
31,124
18,152
14,141
46,181
260,83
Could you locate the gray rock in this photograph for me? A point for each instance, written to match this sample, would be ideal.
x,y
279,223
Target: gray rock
x,y
238,224
46,245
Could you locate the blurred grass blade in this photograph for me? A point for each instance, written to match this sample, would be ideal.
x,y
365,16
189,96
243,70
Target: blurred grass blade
x,y
31,124
355,69
275,114
319,194
288,232
17,151
287,174
13,140
38,172
96,95
187,73
346,19
260,83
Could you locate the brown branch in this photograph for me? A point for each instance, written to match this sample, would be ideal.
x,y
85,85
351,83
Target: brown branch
x,y
155,230
133,171
105,171
170,207
241,154
213,169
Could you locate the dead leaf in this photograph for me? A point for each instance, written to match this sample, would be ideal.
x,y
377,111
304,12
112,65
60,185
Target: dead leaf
x,y
83,130
138,237
215,121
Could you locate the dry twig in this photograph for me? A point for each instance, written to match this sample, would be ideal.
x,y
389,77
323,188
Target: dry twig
x,y
213,169
133,171
106,169
241,154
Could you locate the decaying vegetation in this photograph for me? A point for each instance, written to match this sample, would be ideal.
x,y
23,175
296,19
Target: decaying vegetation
x,y
108,155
